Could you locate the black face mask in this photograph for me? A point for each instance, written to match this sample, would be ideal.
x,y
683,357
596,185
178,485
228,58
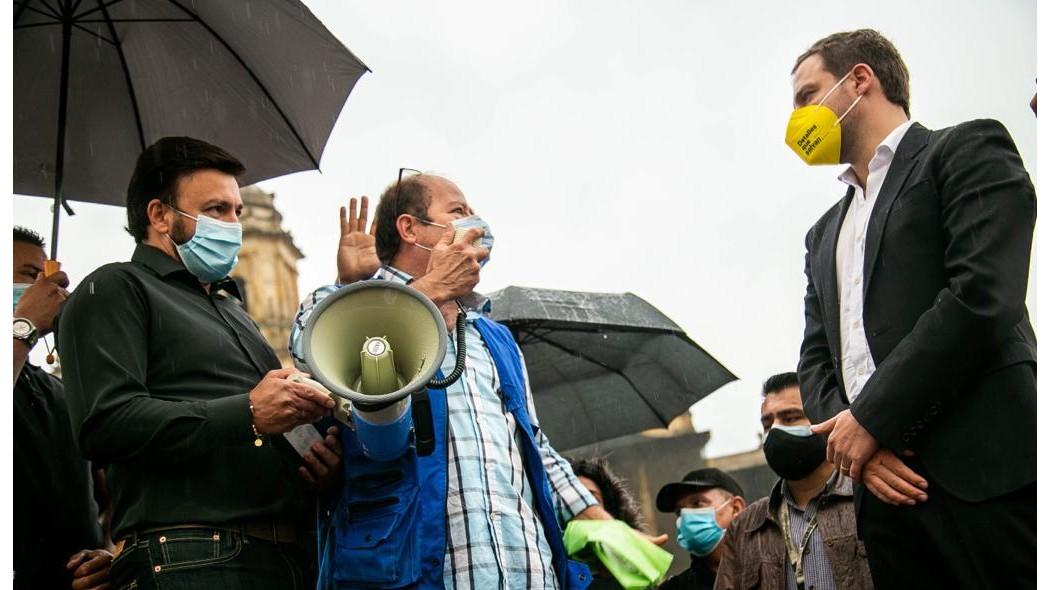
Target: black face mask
x,y
794,457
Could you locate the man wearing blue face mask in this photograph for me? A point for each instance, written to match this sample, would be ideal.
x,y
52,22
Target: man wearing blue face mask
x,y
172,385
803,536
57,538
36,298
706,502
482,521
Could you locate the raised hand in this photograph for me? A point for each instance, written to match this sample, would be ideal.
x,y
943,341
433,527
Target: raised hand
x,y
42,301
356,257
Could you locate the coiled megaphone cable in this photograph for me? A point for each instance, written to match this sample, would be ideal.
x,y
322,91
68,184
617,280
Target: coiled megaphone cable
x,y
461,352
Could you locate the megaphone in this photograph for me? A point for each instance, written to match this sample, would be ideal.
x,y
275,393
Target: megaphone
x,y
375,343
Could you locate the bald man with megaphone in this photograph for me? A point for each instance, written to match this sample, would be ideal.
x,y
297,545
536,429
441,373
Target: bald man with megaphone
x,y
448,480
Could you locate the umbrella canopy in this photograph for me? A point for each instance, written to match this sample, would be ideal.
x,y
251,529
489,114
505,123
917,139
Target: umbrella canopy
x,y
604,365
97,81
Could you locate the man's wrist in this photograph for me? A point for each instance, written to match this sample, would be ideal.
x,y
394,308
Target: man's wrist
x,y
349,279
26,331
431,289
593,512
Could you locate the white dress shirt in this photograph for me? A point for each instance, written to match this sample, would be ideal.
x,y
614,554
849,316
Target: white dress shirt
x,y
857,363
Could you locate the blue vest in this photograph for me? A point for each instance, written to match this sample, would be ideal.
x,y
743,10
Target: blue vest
x,y
387,527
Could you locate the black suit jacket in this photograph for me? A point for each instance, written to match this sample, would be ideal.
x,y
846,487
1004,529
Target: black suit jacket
x,y
945,274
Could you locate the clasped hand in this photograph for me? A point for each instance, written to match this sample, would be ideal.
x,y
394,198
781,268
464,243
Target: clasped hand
x,y
855,452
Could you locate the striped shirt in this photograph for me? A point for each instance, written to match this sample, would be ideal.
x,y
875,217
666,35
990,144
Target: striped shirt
x,y
495,540
815,564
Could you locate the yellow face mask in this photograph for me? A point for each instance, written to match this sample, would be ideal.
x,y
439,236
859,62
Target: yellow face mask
x,y
813,131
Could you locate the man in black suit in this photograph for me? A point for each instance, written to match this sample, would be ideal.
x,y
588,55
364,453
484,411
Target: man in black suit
x,y
918,354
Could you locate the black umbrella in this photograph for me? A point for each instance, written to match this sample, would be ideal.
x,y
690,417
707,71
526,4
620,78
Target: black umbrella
x,y
97,81
603,365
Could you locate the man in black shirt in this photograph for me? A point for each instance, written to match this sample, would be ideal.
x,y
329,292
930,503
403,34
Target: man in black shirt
x,y
172,385
55,515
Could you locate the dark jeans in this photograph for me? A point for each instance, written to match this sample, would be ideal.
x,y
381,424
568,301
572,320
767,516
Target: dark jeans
x,y
208,558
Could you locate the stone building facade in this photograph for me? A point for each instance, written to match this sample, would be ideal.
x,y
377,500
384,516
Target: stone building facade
x,y
267,270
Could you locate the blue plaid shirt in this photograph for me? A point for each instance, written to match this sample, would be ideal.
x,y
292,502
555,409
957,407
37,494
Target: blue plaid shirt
x,y
495,539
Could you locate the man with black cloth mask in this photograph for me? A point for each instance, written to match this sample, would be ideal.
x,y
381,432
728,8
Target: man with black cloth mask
x,y
812,501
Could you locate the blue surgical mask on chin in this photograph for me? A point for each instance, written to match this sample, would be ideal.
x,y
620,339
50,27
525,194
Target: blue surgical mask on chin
x,y
698,530
212,251
17,294
485,241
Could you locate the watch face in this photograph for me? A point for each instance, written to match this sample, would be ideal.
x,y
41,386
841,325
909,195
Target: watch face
x,y
22,328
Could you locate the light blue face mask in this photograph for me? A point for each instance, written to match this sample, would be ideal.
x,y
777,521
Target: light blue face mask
x,y
212,251
485,241
19,289
698,530
800,431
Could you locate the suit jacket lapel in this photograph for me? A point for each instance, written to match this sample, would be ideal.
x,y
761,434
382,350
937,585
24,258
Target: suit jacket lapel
x,y
913,142
829,284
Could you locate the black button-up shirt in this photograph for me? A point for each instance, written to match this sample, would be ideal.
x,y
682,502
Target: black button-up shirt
x,y
54,512
157,373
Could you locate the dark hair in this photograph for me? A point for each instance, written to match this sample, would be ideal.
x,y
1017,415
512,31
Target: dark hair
x,y
617,498
779,382
842,51
24,234
159,168
413,199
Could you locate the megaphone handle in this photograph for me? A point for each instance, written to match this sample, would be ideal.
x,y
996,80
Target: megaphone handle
x,y
461,353
423,423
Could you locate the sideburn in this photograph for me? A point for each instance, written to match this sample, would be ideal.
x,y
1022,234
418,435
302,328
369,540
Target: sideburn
x,y
180,233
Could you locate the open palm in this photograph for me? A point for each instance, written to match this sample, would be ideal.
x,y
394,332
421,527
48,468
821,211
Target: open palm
x,y
356,258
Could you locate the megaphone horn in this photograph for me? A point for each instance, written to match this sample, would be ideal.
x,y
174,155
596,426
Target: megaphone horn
x,y
375,343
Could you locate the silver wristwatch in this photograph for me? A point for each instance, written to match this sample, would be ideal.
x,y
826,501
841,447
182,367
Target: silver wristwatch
x,y
25,331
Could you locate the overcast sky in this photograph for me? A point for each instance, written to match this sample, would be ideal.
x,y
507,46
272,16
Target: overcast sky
x,y
623,146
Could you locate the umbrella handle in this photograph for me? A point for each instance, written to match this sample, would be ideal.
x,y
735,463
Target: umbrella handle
x,y
51,267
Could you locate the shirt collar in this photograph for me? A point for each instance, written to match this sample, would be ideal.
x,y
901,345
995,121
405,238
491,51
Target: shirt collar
x,y
156,260
164,266
837,485
884,153
474,302
389,273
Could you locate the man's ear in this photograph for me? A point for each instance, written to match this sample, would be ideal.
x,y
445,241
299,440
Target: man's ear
x,y
864,78
738,505
159,216
406,228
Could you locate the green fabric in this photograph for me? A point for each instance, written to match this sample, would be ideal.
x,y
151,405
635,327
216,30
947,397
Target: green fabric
x,y
633,561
